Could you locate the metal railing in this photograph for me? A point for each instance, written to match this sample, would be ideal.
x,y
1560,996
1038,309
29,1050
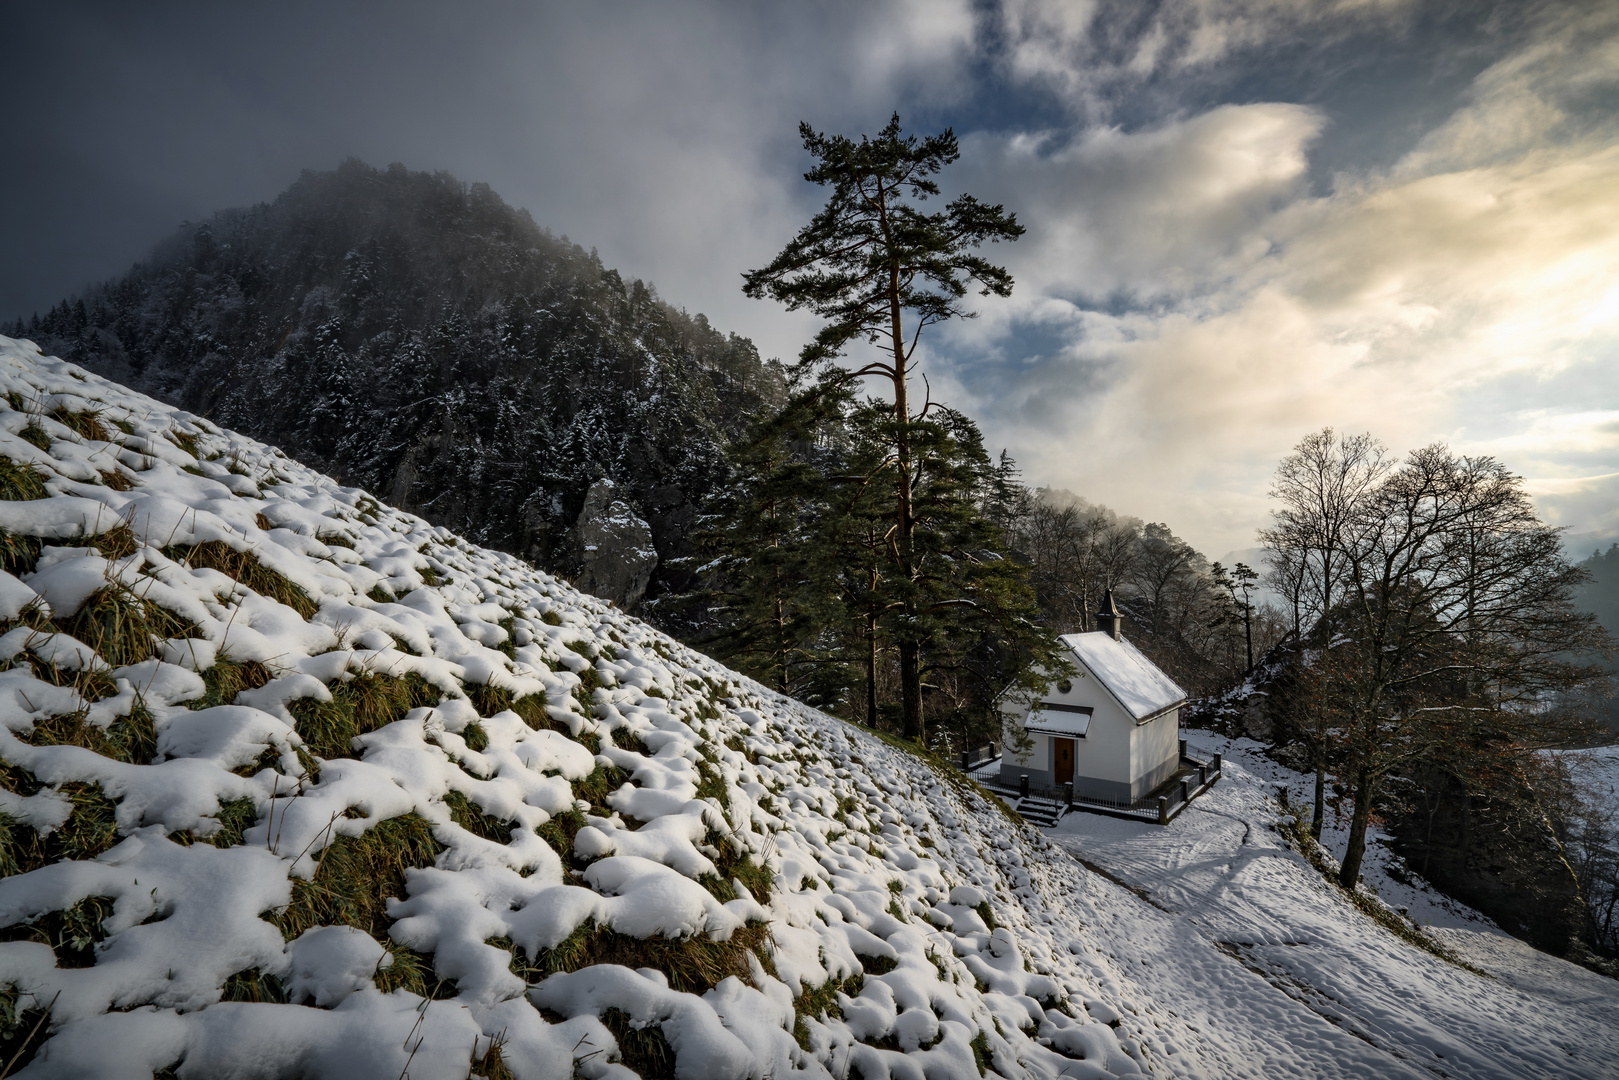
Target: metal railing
x,y
971,759
1163,805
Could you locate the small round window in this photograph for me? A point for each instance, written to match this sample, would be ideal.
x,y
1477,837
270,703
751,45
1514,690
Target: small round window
x,y
1065,686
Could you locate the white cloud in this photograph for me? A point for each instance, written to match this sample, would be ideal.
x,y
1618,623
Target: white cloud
x,y
1206,310
1086,49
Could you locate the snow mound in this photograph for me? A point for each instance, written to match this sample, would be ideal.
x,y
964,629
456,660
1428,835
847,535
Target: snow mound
x,y
296,785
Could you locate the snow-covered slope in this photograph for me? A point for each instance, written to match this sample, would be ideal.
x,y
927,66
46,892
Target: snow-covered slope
x,y
295,785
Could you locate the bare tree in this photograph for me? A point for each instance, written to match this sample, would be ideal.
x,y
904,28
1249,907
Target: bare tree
x,y
1322,487
1455,623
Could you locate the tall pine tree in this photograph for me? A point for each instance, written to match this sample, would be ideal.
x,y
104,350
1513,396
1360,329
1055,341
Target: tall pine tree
x,y
881,270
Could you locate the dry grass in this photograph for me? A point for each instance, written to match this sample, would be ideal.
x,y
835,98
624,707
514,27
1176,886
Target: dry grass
x,y
36,434
255,986
20,483
694,964
359,705
227,678
492,1064
356,876
131,739
86,425
117,479
91,827
124,628
643,1050
244,567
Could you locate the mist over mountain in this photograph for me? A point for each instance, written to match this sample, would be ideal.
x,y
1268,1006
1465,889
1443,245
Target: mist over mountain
x,y
417,336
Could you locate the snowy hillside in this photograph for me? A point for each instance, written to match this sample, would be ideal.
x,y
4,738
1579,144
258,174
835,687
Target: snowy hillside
x,y
296,785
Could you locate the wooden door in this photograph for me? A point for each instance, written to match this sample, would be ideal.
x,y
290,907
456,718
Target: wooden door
x,y
1063,759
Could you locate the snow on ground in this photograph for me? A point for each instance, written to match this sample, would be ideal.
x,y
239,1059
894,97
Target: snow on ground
x,y
607,847
787,894
1348,997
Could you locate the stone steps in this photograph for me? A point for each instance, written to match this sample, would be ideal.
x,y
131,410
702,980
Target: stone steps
x,y
1041,812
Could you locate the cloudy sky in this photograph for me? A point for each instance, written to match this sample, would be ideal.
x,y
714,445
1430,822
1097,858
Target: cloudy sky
x,y
1247,219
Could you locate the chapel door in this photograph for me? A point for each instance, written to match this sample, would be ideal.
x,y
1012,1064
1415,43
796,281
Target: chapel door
x,y
1063,752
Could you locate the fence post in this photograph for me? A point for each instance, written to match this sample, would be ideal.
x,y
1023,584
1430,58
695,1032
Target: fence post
x,y
1183,748
1217,769
965,765
1068,794
1202,776
1186,791
1163,810
1023,786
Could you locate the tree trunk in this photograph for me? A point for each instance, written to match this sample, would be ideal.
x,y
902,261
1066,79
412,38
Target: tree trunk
x,y
1320,815
910,676
871,671
910,665
1350,874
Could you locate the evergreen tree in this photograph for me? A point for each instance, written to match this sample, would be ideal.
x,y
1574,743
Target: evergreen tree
x,y
772,579
880,270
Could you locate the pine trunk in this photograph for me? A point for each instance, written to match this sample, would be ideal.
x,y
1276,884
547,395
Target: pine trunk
x,y
910,651
871,671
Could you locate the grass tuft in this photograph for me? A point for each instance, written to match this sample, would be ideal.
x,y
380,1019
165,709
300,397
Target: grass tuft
x,y
117,479
72,934
131,739
465,813
357,875
244,567
124,628
602,782
36,434
20,483
21,1032
91,827
642,1049
227,678
255,986
694,964
489,700
86,425
359,705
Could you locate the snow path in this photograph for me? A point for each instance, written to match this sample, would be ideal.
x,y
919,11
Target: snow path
x,y
1344,995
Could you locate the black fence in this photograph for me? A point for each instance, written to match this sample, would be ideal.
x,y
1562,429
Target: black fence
x,y
1162,805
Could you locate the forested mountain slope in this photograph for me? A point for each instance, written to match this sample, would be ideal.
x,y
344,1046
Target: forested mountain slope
x,y
293,784
418,337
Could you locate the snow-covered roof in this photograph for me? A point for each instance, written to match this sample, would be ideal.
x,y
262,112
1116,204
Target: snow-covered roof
x,y
1136,682
1058,722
